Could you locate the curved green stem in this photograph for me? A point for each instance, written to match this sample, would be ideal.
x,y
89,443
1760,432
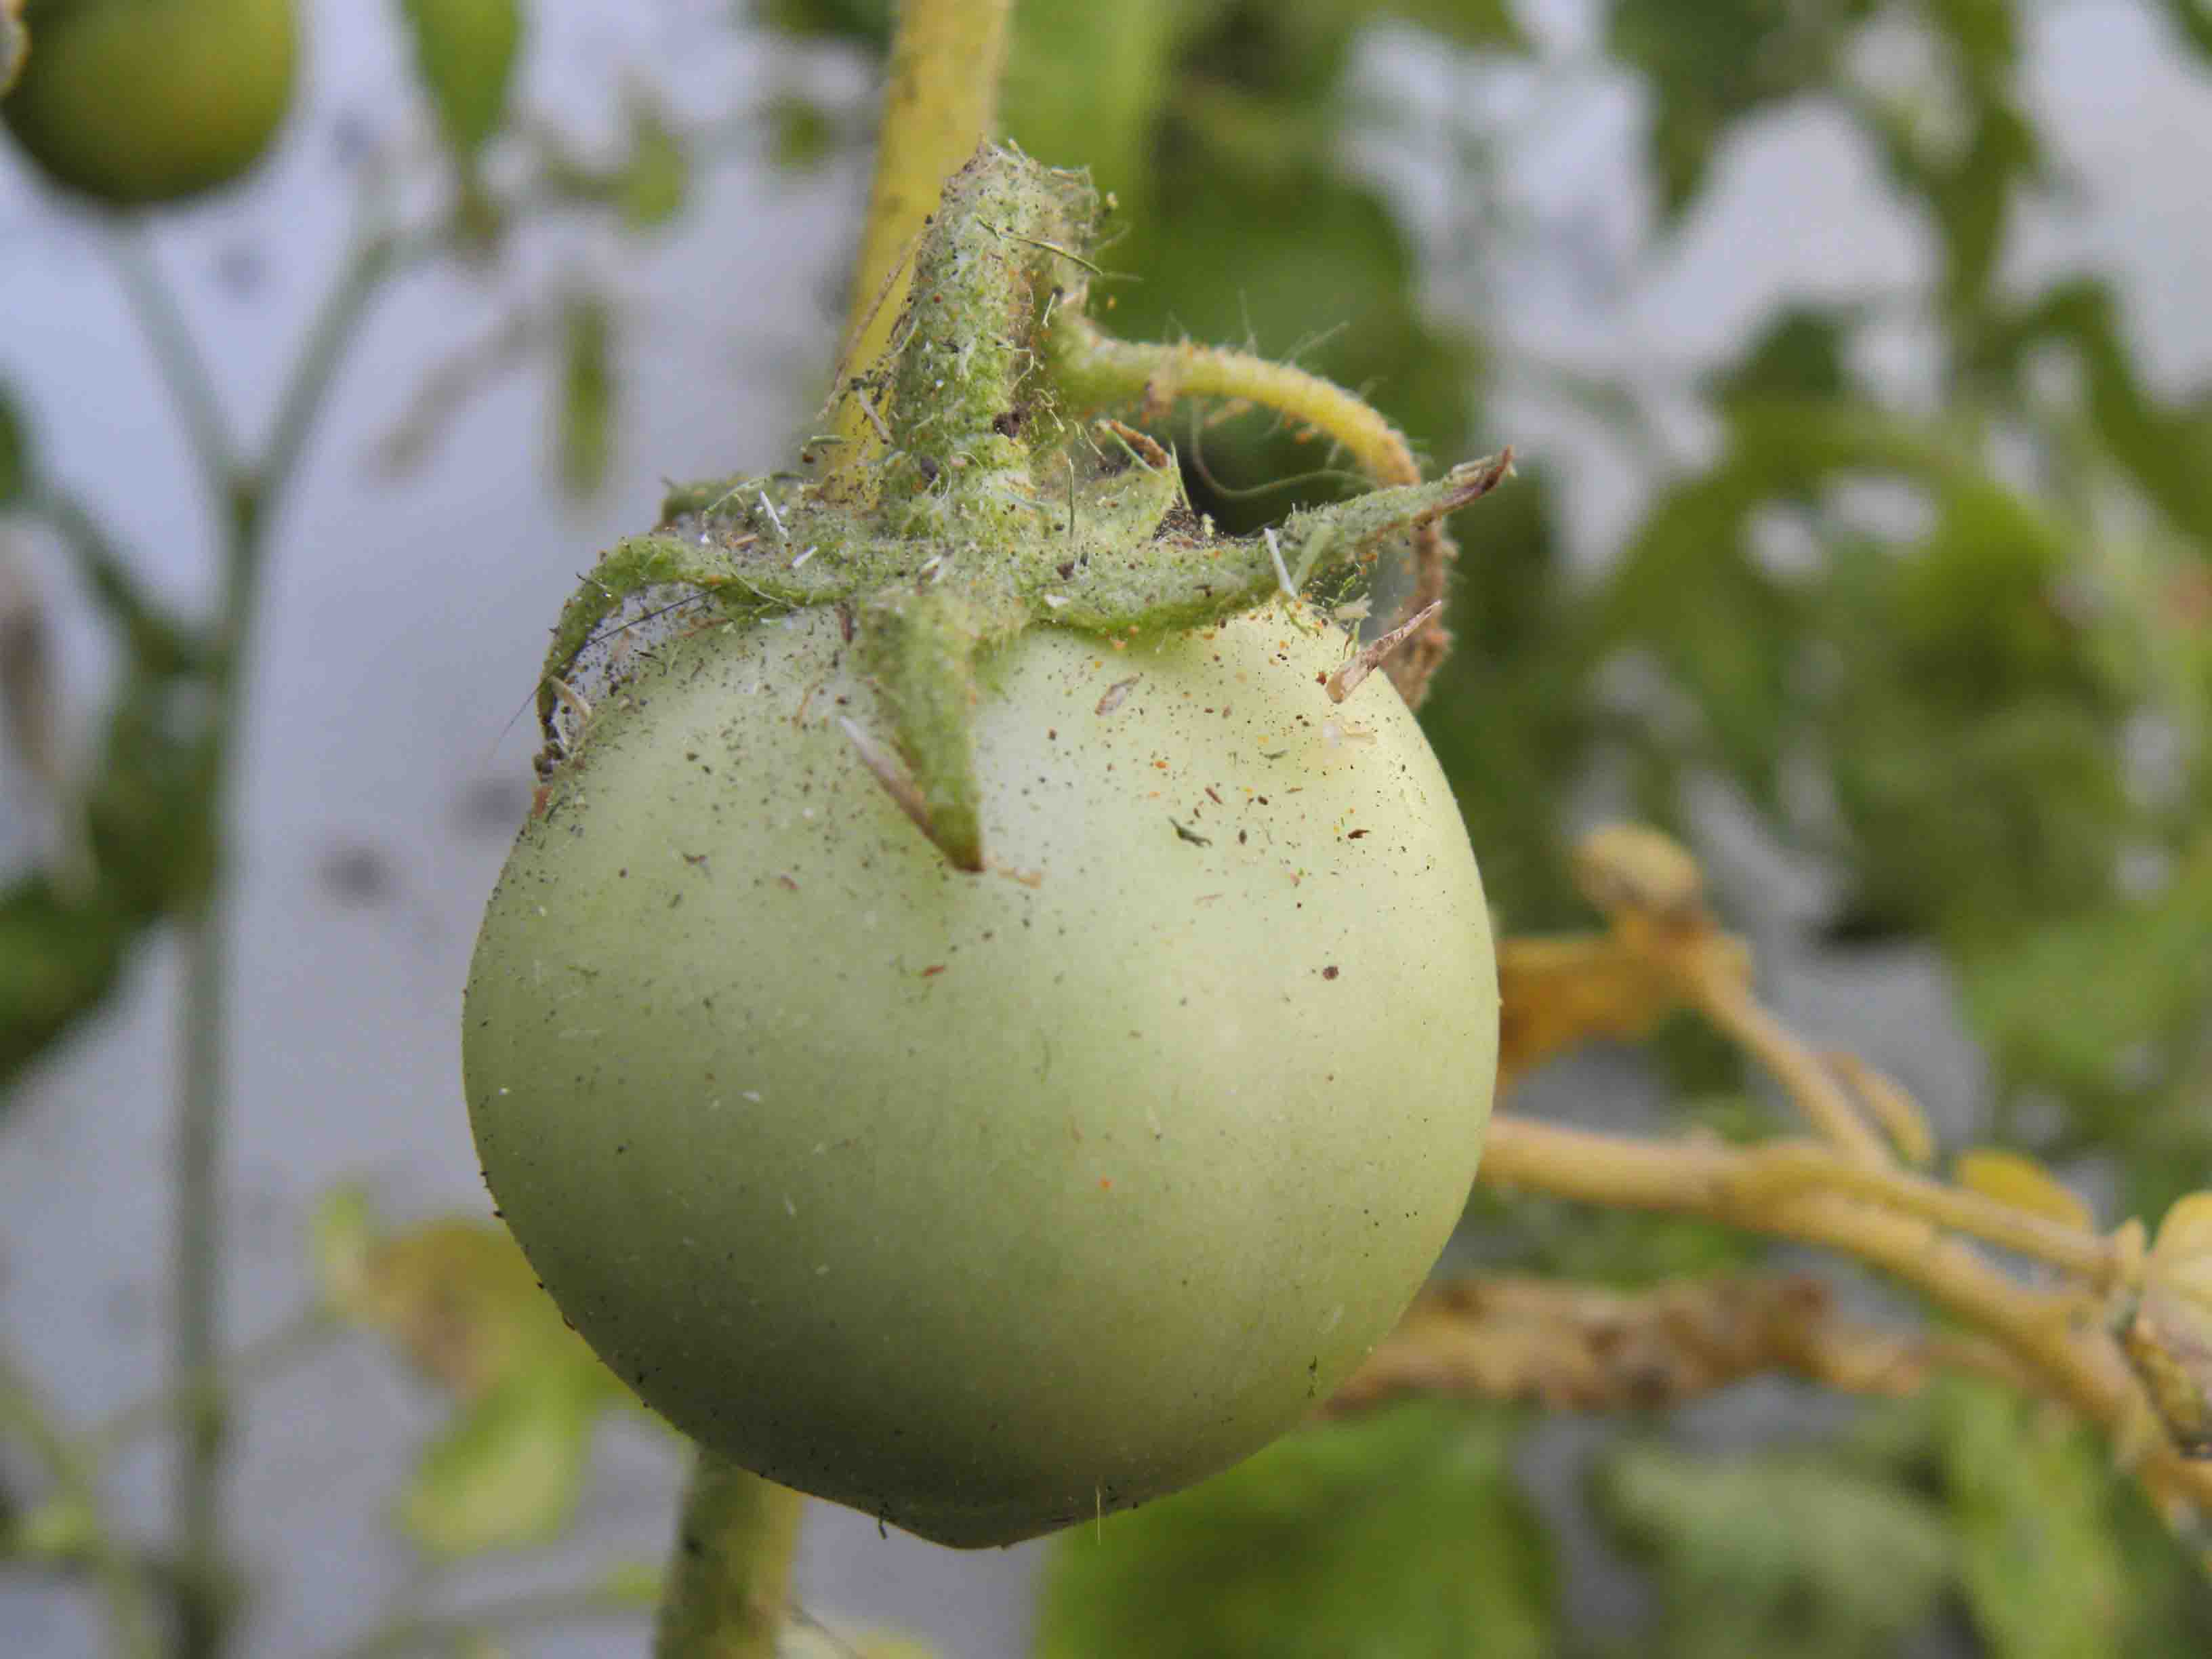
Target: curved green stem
x,y
176,352
376,256
730,1577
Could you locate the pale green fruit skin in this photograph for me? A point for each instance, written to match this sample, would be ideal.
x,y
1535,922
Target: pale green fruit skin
x,y
134,102
1096,1211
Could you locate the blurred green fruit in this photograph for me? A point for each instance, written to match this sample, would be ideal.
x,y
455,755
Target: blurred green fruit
x,y
138,101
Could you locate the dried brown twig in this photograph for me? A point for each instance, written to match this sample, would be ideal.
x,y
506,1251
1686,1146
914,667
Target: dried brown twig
x,y
2122,1336
1568,1346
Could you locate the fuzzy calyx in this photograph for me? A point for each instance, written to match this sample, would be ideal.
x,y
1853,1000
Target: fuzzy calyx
x,y
990,507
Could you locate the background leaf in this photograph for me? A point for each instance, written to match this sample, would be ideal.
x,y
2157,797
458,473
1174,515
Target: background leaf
x,y
1400,1533
465,52
1789,1556
585,410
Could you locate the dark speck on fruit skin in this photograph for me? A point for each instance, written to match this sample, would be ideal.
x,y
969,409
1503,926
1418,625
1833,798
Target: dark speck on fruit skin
x,y
1331,971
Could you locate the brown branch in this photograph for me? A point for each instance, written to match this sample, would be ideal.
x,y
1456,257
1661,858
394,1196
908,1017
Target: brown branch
x,y
2149,1389
1569,1346
2051,1335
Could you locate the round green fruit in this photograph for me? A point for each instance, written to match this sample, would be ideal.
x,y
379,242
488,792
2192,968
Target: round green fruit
x,y
133,102
987,1203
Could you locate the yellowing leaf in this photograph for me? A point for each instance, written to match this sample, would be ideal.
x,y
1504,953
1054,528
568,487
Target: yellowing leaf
x,y
341,1238
456,1296
2015,1179
507,1472
1556,992
2169,1339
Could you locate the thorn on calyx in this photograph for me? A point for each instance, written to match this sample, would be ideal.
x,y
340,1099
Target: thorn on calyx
x,y
1346,679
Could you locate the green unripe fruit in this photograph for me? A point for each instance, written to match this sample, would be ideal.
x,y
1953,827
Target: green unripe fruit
x,y
978,1026
987,1202
135,102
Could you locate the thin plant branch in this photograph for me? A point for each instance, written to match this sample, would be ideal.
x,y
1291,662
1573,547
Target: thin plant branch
x,y
247,497
1104,371
177,353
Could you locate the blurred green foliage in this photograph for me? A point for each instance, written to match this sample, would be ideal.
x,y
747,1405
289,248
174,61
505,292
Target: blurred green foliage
x,y
1401,1533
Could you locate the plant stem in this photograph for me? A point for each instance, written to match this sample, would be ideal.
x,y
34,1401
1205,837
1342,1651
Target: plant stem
x,y
1094,368
729,1580
246,499
196,1288
939,103
176,353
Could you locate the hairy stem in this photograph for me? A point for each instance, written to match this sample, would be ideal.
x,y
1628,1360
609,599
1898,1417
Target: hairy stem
x,y
729,1579
939,103
1098,371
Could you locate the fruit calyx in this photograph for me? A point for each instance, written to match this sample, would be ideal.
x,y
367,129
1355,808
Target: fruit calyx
x,y
992,499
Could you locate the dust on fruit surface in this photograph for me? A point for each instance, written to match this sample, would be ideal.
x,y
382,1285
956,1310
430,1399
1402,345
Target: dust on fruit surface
x,y
950,1069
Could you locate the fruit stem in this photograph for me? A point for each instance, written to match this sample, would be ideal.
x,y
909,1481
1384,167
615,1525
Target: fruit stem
x,y
729,1580
940,101
1094,370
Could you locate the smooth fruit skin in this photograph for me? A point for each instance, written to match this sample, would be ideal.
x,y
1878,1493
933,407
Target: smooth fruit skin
x,y
988,1203
133,102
